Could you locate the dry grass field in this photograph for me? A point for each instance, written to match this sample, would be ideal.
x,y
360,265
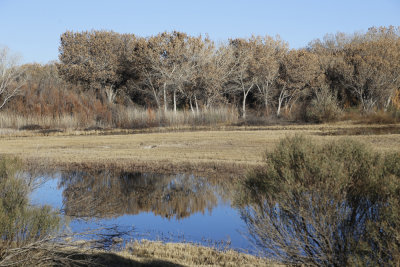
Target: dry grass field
x,y
228,149
184,254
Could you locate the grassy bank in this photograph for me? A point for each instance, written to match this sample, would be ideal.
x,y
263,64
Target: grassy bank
x,y
204,150
152,253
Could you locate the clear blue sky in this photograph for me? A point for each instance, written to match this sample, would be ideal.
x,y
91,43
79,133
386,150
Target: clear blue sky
x,y
32,28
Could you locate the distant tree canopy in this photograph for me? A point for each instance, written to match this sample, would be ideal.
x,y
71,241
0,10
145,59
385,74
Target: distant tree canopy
x,y
174,69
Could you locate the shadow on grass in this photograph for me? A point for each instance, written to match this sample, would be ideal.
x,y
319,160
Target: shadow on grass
x,y
107,259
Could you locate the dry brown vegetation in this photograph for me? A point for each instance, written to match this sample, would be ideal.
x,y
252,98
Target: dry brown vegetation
x,y
231,150
111,80
153,253
190,255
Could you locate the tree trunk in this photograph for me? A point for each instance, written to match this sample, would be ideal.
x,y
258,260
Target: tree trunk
x,y
244,106
175,101
156,98
266,103
197,105
387,104
263,90
280,100
278,112
165,98
110,94
191,106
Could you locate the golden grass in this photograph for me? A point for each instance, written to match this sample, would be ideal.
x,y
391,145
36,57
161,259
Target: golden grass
x,y
228,148
152,253
122,117
15,121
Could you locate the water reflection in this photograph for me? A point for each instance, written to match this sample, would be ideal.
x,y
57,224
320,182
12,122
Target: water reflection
x,y
171,208
105,194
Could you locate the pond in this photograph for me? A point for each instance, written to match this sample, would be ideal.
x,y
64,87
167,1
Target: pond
x,y
170,208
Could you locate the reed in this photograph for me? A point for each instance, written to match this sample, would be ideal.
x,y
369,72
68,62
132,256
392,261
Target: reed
x,y
122,117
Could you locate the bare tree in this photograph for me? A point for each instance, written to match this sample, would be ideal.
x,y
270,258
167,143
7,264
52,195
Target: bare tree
x,y
166,58
269,53
242,78
199,55
139,56
372,69
11,76
215,74
363,68
174,60
297,72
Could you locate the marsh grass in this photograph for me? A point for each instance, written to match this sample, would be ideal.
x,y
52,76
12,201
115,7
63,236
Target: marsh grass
x,y
121,117
14,121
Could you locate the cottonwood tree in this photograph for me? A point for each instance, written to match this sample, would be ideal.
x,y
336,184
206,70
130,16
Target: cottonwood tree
x,y
268,56
297,72
362,67
140,56
174,60
11,76
166,59
215,74
199,54
372,68
91,58
242,78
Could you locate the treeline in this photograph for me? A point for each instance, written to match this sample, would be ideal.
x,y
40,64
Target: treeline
x,y
100,73
176,70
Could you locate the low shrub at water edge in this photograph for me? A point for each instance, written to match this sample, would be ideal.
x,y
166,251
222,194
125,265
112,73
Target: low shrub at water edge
x,y
23,228
336,204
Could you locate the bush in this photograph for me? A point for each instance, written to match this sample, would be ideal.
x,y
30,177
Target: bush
x,y
323,107
21,225
332,205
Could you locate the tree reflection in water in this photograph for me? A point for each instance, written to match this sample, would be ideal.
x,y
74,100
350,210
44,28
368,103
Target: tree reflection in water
x,y
105,194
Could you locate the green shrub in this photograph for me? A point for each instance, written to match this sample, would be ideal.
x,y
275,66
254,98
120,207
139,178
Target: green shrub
x,y
336,204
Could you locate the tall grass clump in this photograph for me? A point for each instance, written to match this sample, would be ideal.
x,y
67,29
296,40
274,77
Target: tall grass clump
x,y
324,107
119,116
136,117
23,228
336,204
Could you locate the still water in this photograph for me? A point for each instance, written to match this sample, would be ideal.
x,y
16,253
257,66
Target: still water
x,y
171,208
